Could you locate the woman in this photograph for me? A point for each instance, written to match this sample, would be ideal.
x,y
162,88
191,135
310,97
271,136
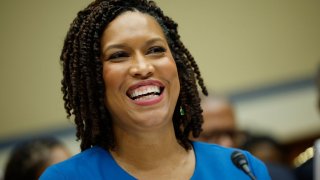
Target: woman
x,y
131,85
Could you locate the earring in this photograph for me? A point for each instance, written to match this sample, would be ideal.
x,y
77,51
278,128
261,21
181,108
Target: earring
x,y
181,111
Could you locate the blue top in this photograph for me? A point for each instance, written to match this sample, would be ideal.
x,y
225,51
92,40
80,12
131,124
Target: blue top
x,y
212,162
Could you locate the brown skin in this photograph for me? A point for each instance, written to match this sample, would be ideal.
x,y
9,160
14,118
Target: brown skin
x,y
142,132
219,123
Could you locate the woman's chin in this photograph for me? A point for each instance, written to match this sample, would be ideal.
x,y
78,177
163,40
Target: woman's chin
x,y
152,121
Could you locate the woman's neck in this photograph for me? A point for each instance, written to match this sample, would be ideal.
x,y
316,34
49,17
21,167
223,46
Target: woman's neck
x,y
154,152
147,146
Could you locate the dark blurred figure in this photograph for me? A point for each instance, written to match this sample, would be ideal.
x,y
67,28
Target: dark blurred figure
x,y
306,170
265,148
271,153
30,158
219,125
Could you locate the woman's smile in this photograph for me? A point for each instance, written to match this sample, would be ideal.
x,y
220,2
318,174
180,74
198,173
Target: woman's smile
x,y
146,92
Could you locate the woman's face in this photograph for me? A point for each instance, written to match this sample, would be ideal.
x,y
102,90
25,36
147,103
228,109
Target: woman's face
x,y
139,72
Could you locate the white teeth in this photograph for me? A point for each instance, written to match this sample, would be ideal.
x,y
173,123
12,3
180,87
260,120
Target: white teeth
x,y
143,90
142,98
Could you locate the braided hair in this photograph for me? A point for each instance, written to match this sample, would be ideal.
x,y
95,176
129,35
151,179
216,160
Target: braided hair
x,y
83,86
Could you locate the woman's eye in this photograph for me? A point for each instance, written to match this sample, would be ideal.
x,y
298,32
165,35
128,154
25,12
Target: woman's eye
x,y
156,50
118,55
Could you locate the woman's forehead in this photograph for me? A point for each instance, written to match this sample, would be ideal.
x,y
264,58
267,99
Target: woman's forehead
x,y
131,24
131,20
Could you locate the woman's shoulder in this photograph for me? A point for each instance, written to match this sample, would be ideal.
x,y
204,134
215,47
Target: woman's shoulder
x,y
76,165
90,154
214,158
212,149
215,149
219,153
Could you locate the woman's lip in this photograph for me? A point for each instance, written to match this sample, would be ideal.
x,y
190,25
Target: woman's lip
x,y
149,102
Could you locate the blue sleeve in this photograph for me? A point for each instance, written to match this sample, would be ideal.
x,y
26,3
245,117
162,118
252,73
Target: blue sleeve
x,y
52,173
258,168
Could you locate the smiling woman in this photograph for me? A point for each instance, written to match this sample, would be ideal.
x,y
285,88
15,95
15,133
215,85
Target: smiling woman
x,y
132,87
138,70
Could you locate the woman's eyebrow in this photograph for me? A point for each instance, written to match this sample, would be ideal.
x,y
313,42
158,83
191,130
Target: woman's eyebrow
x,y
120,46
113,46
154,40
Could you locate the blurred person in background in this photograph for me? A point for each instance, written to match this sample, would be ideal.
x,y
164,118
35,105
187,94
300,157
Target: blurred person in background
x,y
219,126
271,152
265,148
30,158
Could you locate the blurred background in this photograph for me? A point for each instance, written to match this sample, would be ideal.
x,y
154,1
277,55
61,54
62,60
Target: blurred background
x,y
263,55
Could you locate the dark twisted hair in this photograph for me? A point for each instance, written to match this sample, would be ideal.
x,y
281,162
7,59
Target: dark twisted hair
x,y
83,85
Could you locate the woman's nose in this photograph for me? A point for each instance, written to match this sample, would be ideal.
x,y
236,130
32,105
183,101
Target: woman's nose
x,y
141,67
